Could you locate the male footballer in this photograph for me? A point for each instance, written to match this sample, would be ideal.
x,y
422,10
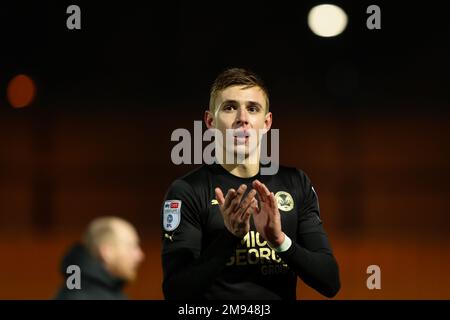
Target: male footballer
x,y
231,232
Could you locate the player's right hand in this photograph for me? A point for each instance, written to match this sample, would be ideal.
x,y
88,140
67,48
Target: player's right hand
x,y
235,211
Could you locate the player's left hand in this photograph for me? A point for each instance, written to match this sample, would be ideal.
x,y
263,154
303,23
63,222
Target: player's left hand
x,y
266,216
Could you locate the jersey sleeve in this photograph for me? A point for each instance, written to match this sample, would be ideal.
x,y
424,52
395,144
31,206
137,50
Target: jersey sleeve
x,y
310,256
188,267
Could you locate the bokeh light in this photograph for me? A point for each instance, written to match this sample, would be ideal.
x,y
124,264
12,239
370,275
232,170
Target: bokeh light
x,y
21,91
327,20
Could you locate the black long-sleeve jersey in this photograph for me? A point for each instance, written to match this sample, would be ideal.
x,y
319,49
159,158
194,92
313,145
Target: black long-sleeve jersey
x,y
202,260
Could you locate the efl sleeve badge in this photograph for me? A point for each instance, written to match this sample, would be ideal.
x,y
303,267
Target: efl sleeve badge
x,y
171,214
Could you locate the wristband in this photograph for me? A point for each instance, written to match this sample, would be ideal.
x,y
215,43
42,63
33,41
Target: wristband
x,y
284,246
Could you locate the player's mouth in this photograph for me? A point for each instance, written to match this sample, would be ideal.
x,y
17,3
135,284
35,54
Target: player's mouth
x,y
241,136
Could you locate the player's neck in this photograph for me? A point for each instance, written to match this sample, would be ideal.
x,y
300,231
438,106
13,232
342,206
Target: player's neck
x,y
242,170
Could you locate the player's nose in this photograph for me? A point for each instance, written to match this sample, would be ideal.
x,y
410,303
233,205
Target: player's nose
x,y
242,116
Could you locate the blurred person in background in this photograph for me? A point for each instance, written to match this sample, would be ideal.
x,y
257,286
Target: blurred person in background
x,y
107,258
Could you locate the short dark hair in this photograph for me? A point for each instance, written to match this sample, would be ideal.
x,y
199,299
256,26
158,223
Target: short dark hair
x,y
236,77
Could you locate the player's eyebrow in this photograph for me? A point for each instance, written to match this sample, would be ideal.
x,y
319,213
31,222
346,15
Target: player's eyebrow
x,y
247,103
234,102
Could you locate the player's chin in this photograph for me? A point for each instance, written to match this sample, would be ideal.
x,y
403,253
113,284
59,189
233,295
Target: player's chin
x,y
241,153
246,155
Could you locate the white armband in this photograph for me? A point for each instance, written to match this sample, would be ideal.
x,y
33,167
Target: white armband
x,y
285,245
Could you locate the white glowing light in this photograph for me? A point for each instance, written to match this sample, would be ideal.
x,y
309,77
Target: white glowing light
x,y
327,20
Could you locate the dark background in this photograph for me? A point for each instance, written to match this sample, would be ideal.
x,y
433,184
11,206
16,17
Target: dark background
x,y
364,114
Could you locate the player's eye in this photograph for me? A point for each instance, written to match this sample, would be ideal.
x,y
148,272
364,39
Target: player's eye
x,y
229,107
253,109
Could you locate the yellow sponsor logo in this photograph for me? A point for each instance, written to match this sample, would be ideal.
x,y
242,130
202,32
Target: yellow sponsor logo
x,y
254,251
214,201
274,269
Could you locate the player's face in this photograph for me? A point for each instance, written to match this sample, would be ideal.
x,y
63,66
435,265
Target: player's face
x,y
244,111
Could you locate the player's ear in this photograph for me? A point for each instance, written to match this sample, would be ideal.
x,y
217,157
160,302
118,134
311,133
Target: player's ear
x,y
268,121
209,119
106,253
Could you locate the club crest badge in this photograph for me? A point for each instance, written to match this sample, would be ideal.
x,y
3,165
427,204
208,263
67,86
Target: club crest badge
x,y
171,214
284,201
